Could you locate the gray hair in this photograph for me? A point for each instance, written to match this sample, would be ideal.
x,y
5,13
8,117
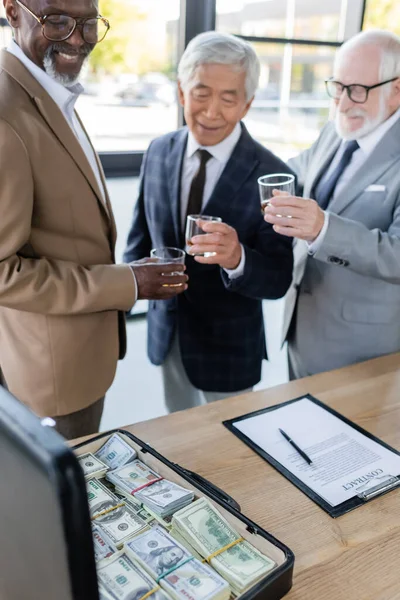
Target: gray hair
x,y
220,48
387,41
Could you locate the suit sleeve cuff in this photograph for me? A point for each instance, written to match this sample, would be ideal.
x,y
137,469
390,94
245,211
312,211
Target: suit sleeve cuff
x,y
314,246
238,272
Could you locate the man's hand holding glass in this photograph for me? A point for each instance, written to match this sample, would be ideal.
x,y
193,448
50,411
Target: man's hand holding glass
x,y
295,217
218,244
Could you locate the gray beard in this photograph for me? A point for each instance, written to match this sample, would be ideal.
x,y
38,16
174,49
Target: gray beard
x,y
49,65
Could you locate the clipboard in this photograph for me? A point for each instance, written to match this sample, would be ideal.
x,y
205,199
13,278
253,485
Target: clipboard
x,y
390,482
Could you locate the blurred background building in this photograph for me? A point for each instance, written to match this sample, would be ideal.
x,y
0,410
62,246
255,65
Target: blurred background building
x,y
130,82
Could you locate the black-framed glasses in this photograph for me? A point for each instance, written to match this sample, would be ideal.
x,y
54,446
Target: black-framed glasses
x,y
356,92
58,28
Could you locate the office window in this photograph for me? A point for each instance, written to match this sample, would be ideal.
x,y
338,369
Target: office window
x,y
290,105
382,14
130,82
296,41
303,19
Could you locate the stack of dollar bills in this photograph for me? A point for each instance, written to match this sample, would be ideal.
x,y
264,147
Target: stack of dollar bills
x,y
100,498
116,520
120,524
123,577
159,495
205,532
120,578
152,541
103,547
116,452
92,466
176,570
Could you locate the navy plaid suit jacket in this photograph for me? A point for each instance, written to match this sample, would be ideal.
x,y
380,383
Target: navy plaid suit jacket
x,y
219,321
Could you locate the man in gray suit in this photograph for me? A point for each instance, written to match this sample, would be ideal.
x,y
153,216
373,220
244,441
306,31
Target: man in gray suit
x,y
346,291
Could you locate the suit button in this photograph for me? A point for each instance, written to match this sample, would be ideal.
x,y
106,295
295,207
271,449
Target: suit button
x,y
334,260
346,263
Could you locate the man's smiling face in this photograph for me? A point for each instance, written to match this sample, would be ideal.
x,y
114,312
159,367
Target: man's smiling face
x,y
214,102
61,60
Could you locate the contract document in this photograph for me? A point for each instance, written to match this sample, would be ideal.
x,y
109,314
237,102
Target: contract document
x,y
344,460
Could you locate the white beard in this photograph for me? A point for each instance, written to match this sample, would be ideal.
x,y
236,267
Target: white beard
x,y
63,79
49,65
368,126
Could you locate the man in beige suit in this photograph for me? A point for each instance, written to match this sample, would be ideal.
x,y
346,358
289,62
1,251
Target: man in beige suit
x,y
62,298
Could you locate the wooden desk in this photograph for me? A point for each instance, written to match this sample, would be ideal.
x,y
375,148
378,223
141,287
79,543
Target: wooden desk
x,y
354,557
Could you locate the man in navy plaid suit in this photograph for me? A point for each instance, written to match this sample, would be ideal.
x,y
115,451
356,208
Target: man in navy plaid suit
x,y
210,339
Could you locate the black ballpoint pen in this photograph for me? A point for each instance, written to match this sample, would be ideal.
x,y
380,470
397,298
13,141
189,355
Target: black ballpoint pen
x,y
295,446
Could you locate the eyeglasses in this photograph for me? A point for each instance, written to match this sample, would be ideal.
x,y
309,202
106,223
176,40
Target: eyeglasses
x,y
57,28
356,92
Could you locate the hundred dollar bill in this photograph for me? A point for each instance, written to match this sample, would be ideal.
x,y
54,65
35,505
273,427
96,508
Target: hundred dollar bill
x,y
170,563
166,521
136,507
104,595
196,581
132,476
165,497
126,581
207,532
179,538
116,452
99,497
156,551
120,524
103,547
92,466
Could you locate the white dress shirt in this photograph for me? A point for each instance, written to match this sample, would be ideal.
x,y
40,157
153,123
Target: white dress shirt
x,y
367,144
220,153
65,98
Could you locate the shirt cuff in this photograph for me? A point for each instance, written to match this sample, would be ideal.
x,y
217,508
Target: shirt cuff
x,y
238,272
314,246
136,287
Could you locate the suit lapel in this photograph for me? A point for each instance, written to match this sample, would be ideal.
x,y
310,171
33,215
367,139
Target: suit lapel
x,y
61,129
379,161
238,169
53,116
174,163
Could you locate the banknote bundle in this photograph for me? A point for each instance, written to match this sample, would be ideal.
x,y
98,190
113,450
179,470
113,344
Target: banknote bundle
x,y
158,572
104,595
116,452
103,547
100,498
92,466
120,524
205,532
136,506
161,496
176,570
152,539
121,579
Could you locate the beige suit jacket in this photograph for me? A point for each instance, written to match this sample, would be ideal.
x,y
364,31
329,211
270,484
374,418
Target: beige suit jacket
x,y
60,292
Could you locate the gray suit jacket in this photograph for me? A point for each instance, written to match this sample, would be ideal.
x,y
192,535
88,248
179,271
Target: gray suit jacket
x,y
348,295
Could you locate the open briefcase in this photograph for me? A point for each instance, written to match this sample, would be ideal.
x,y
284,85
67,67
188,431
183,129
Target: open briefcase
x,y
46,549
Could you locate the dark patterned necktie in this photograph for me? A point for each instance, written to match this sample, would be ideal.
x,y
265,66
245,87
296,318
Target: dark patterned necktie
x,y
196,193
325,191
